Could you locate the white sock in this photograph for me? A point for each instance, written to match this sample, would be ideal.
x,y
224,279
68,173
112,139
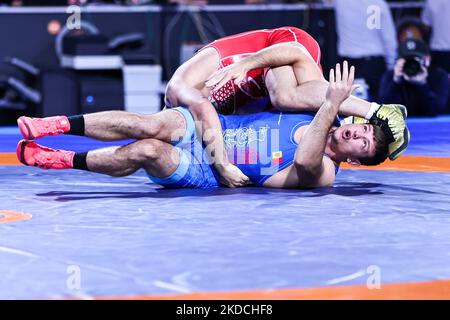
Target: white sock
x,y
373,108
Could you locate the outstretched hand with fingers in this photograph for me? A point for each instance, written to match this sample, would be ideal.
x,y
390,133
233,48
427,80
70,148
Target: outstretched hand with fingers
x,y
341,84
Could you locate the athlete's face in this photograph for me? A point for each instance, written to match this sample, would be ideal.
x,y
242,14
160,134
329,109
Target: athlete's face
x,y
354,141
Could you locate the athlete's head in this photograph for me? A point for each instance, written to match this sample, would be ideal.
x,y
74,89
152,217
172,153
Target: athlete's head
x,y
359,144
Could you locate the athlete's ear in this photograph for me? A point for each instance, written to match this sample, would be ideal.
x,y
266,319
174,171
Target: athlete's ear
x,y
353,162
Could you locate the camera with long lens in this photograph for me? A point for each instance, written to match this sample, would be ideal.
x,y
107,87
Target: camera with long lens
x,y
413,66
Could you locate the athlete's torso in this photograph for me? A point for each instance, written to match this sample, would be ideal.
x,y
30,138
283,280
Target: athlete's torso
x,y
262,144
231,97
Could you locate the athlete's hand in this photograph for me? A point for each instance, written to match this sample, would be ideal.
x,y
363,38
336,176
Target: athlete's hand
x,y
398,70
236,71
341,84
232,176
419,79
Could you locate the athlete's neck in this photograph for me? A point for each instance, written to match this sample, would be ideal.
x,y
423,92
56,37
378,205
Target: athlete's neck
x,y
329,150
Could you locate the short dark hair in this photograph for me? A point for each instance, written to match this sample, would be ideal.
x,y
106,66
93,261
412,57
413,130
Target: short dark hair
x,y
381,148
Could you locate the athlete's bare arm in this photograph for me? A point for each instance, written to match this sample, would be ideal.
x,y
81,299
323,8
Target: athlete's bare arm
x,y
186,88
312,168
294,90
295,82
281,54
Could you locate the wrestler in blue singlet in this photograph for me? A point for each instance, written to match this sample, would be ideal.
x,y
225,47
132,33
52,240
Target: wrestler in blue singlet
x,y
259,144
262,144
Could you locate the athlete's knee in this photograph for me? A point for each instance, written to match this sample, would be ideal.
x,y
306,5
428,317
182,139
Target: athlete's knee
x,y
137,153
170,100
172,89
146,126
149,149
281,98
151,126
287,98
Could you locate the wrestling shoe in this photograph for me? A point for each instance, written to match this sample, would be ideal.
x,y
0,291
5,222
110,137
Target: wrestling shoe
x,y
35,128
32,154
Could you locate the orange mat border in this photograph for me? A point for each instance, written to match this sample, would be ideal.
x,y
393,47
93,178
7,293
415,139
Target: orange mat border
x,y
410,163
9,159
7,216
406,163
432,290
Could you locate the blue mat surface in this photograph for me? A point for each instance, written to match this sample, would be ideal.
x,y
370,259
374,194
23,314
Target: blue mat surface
x,y
429,137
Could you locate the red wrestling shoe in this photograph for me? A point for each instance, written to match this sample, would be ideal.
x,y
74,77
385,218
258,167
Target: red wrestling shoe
x,y
32,154
35,128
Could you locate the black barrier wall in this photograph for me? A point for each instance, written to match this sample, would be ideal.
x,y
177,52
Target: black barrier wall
x,y
24,31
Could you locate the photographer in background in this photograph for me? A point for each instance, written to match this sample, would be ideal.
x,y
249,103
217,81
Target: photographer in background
x,y
423,89
436,15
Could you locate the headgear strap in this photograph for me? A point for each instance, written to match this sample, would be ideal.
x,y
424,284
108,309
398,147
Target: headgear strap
x,y
384,125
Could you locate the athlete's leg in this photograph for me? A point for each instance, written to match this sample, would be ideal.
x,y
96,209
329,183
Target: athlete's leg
x,y
167,125
310,93
302,89
158,158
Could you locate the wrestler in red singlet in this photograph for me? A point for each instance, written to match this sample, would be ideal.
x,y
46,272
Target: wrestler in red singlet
x,y
233,48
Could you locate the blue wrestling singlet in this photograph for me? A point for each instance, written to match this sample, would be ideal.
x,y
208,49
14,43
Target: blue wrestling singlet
x,y
259,144
262,144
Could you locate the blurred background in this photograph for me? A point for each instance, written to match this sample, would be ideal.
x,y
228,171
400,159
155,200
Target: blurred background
x,y
71,57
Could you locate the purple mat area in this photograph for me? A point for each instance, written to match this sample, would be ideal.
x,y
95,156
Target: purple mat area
x,y
128,237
